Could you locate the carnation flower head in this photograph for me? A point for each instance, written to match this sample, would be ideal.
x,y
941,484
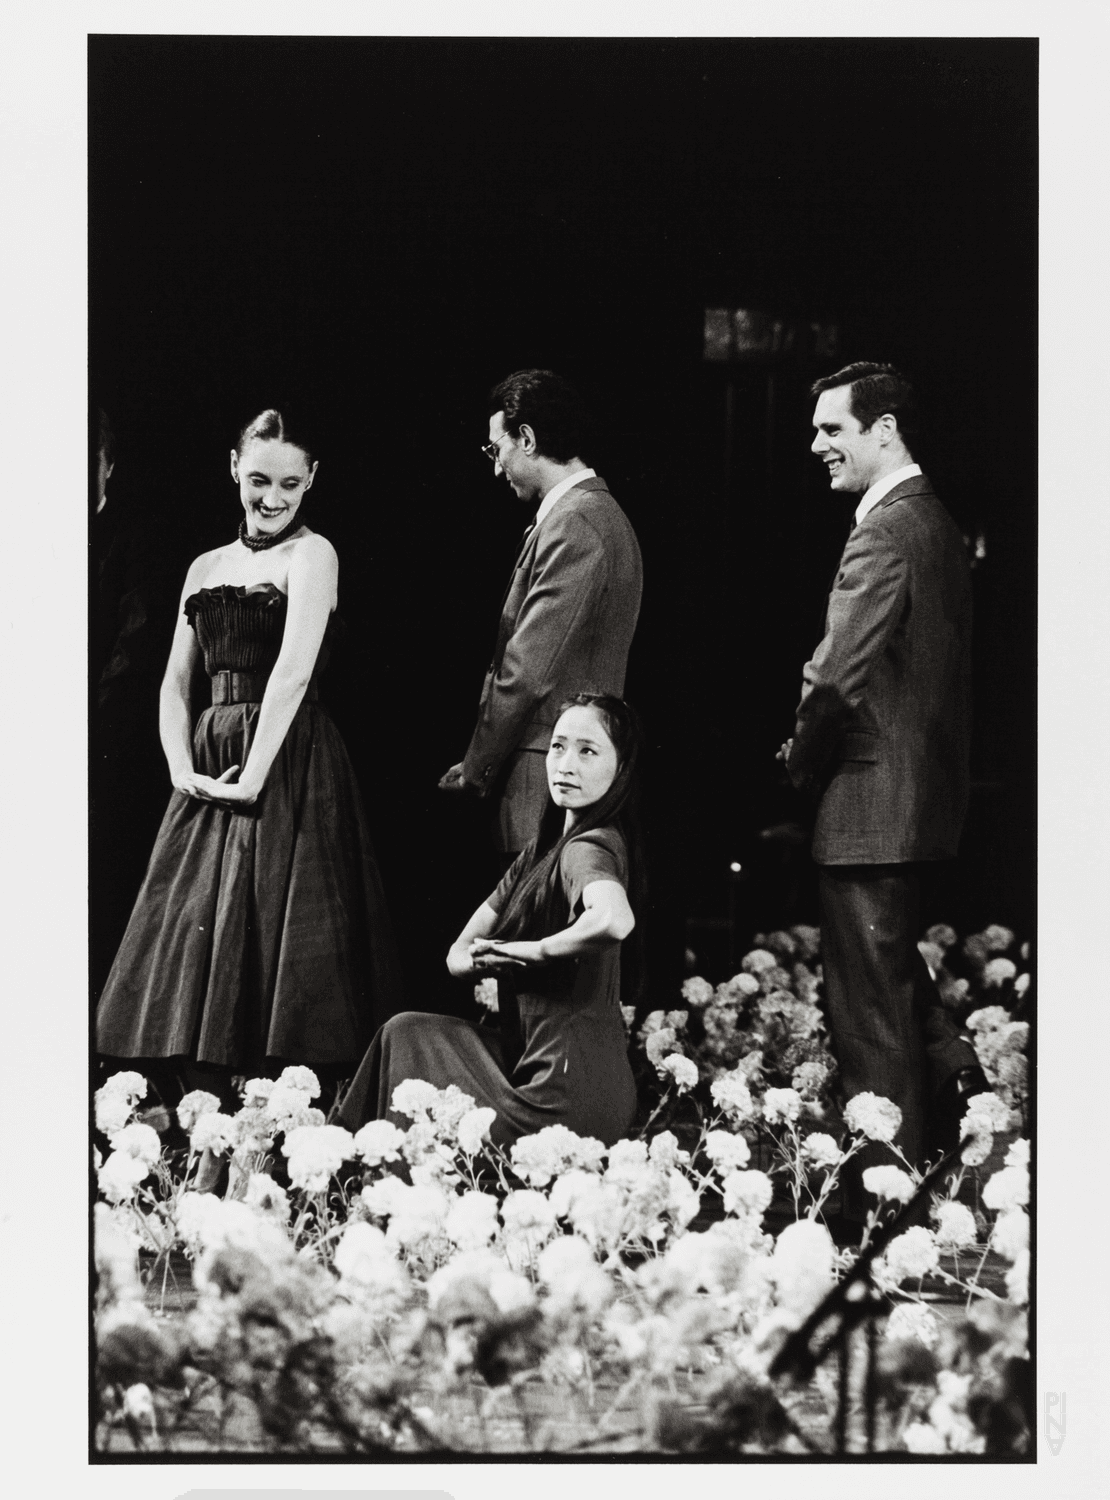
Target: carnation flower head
x,y
193,1105
809,1078
781,1106
683,1201
113,1110
214,1132
1017,1280
363,1255
472,1220
138,1140
378,1141
418,1214
913,1320
626,1158
554,1149
654,1021
697,992
933,954
1010,1235
126,1084
993,1111
485,993
266,1195
449,1108
923,1437
908,1257
1018,1154
474,1128
527,1214
889,1183
997,971
942,935
802,1265
287,1107
664,1150
740,987
384,1197
256,1091
874,1116
658,1044
1007,1188
997,938
1021,984
758,961
821,1151
301,1078
681,1069
748,1193
414,1097
120,1176
574,1280
727,1152
955,1225
628,1016
731,1095
987,1018
315,1153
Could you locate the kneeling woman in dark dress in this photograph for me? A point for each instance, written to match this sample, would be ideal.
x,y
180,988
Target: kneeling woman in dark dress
x,y
552,932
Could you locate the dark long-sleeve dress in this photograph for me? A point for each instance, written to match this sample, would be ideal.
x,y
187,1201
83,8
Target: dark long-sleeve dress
x,y
574,1068
260,932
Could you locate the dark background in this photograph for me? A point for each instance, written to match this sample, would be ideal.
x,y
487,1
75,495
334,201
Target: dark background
x,y
383,228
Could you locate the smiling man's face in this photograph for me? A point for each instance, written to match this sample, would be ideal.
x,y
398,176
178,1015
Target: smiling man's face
x,y
853,457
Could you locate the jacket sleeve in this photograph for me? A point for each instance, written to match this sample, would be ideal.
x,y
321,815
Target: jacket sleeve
x,y
865,606
570,573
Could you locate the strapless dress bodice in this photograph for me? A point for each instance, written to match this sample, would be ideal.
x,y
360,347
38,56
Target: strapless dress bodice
x,y
240,628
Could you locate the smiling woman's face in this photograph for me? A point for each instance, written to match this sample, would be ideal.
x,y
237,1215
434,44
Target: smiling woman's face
x,y
582,762
272,477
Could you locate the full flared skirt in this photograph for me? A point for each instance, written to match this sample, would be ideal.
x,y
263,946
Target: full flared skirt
x,y
259,932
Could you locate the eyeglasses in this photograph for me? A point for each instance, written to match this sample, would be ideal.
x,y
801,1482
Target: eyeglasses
x,y
492,449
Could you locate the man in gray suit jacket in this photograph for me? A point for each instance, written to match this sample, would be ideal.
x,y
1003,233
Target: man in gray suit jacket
x,y
571,606
882,737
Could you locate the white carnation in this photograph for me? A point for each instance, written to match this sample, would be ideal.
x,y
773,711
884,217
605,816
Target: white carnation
x,y
302,1079
913,1320
802,1265
112,1111
1018,1154
1010,1235
127,1085
214,1132
781,1106
697,992
747,1193
681,1069
315,1153
955,1225
474,1127
485,993
731,1095
873,1116
909,1257
138,1140
379,1141
1006,1189
193,1106
727,1152
758,961
120,1176
414,1097
889,1183
658,1044
472,1220
821,1150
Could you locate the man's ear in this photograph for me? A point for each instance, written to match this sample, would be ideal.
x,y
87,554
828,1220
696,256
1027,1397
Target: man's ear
x,y
527,439
888,428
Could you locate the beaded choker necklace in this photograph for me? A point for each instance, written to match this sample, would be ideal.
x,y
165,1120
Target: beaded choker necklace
x,y
260,543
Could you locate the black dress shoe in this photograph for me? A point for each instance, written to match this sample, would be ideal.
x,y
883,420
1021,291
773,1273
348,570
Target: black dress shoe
x,y
952,1102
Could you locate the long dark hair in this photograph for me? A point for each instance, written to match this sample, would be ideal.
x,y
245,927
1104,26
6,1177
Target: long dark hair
x,y
537,905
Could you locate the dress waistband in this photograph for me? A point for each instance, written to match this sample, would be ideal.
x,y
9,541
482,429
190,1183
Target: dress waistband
x,y
246,687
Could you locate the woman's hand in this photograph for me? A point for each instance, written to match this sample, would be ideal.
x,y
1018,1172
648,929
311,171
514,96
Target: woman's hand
x,y
488,956
217,788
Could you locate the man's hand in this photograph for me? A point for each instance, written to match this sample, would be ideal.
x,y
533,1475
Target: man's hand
x,y
783,753
454,781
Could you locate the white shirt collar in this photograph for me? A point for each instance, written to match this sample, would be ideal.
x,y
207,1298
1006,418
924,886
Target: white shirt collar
x,y
560,490
883,487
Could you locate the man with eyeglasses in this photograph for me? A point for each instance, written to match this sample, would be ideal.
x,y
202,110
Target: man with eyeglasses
x,y
571,606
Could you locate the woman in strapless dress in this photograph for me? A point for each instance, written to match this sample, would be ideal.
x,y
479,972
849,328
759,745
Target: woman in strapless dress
x,y
260,935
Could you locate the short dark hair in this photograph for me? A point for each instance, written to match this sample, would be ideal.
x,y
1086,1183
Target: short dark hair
x,y
552,408
876,391
274,425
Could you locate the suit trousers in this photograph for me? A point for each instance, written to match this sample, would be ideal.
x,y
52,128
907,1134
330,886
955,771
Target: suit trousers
x,y
890,1032
523,796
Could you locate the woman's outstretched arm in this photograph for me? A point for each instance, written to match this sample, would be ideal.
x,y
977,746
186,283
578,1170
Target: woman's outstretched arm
x,y
460,961
606,918
313,575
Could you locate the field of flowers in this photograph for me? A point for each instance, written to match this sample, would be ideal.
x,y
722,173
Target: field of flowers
x,y
268,1282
